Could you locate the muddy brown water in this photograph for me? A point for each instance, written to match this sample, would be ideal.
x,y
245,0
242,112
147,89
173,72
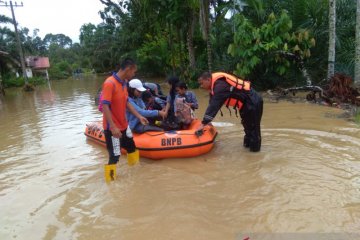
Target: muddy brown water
x,y
306,179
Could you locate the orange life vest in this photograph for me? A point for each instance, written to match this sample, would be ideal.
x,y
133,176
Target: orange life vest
x,y
235,83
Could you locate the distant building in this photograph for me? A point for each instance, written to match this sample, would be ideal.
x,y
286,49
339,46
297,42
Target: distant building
x,y
37,64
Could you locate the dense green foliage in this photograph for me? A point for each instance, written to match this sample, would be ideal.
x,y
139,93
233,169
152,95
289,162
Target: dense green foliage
x,y
269,42
269,51
11,81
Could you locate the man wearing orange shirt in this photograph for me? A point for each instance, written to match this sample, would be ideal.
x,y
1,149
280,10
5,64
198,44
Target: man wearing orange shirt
x,y
116,128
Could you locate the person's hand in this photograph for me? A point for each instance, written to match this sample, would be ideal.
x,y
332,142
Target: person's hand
x,y
200,128
115,132
143,120
162,114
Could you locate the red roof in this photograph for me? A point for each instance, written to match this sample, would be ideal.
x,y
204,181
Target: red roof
x,y
38,62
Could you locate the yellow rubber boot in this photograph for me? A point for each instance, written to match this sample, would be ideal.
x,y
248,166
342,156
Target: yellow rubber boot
x,y
133,158
110,172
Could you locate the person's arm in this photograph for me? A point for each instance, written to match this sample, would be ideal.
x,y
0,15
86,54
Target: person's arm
x,y
194,102
167,106
139,106
161,102
114,130
131,108
221,93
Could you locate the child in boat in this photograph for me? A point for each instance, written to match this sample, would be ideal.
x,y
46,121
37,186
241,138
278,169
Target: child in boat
x,y
135,90
190,97
152,102
185,104
178,112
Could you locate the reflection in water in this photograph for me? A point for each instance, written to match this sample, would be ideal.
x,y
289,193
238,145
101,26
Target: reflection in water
x,y
305,179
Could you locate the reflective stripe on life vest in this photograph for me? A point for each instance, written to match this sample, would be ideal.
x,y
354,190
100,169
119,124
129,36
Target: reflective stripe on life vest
x,y
232,80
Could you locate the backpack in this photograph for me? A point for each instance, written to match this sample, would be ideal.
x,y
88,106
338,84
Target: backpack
x,y
184,113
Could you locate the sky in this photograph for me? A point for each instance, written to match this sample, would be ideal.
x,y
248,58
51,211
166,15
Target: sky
x,y
55,16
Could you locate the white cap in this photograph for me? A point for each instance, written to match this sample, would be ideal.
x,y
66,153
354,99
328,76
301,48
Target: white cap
x,y
137,84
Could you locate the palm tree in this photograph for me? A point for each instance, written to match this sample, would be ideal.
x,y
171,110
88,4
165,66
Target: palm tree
x,y
332,35
205,28
357,48
190,40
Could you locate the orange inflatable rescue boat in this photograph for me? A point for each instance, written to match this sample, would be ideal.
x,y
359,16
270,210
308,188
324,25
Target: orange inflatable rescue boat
x,y
169,144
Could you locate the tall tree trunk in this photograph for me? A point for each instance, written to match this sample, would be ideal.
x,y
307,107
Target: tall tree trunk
x,y
2,91
171,45
332,34
190,41
357,50
181,42
205,26
209,51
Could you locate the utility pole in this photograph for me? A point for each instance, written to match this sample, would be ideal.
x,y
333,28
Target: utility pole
x,y
17,36
332,39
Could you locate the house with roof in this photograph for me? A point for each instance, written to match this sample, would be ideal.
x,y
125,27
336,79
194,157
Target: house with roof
x,y
37,65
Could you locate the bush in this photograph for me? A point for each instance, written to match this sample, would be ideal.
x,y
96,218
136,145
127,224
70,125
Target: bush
x,y
37,81
61,70
12,81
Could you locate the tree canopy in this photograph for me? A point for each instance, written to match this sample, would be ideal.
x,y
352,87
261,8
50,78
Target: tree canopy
x,y
269,42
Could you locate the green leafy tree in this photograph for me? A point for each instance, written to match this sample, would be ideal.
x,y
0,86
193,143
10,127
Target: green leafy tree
x,y
58,39
271,49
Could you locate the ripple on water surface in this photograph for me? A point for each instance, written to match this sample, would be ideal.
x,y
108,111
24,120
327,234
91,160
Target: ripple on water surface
x,y
305,179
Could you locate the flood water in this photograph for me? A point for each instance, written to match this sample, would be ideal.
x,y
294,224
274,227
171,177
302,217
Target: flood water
x,y
306,179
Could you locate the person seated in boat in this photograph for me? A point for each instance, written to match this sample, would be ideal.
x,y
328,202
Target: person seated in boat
x,y
135,90
152,102
178,114
190,97
154,88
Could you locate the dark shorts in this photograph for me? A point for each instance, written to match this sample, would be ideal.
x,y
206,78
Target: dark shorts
x,y
125,142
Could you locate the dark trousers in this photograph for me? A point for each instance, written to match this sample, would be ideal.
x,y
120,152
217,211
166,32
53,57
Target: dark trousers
x,y
146,128
125,142
251,114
